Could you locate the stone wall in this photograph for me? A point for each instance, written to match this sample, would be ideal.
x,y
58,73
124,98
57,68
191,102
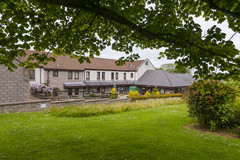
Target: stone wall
x,y
40,105
14,86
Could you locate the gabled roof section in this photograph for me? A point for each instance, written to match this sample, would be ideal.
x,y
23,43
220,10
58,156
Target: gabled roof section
x,y
163,78
144,61
67,63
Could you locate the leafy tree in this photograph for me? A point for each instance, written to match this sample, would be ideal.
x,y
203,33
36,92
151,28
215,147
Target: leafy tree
x,y
173,68
74,28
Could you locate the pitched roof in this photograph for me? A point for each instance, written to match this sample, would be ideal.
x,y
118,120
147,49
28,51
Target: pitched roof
x,y
163,78
67,63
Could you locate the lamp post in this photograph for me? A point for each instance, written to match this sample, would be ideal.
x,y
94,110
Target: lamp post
x,y
114,84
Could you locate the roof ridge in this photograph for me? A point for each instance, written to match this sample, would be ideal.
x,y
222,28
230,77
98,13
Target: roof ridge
x,y
167,77
189,77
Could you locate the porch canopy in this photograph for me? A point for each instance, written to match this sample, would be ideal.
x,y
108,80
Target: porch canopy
x,y
97,83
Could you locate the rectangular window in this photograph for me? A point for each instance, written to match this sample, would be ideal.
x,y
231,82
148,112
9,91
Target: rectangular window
x,y
112,75
55,73
98,75
69,91
131,75
69,74
116,76
87,90
124,76
76,91
98,90
103,75
76,75
87,75
32,74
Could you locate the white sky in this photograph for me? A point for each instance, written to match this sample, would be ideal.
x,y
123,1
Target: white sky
x,y
152,55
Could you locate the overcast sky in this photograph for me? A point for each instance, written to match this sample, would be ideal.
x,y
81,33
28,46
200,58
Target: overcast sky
x,y
153,54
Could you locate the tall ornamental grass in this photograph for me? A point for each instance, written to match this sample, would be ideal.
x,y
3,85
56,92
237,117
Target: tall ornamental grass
x,y
101,109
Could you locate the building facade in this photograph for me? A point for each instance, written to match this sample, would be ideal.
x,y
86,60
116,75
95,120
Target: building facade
x,y
101,75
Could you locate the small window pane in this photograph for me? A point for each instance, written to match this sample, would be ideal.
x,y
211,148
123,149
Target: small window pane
x,y
32,74
55,73
88,75
76,75
112,75
131,75
98,75
70,91
70,75
76,91
103,75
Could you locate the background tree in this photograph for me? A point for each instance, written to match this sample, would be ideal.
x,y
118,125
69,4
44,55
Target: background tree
x,y
173,68
74,28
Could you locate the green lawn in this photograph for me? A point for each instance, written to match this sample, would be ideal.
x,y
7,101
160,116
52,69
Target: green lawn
x,y
155,133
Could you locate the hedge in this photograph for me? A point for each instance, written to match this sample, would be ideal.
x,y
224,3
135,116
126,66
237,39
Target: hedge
x,y
141,97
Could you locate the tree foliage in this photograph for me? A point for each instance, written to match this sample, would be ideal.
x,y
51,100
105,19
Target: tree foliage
x,y
173,68
74,28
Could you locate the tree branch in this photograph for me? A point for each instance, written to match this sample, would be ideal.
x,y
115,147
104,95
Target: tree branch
x,y
226,11
90,6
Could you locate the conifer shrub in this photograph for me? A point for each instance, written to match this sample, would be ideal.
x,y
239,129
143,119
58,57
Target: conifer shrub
x,y
113,93
136,93
147,94
131,93
211,104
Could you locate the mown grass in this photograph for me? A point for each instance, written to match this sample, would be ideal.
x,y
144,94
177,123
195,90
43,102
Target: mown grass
x,y
145,134
101,109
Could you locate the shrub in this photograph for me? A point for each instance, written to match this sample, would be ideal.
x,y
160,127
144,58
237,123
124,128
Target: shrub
x,y
147,94
157,93
55,91
154,96
40,88
210,103
113,93
183,97
131,93
236,111
136,93
155,90
92,95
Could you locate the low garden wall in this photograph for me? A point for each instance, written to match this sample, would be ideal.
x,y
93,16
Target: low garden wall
x,y
40,105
